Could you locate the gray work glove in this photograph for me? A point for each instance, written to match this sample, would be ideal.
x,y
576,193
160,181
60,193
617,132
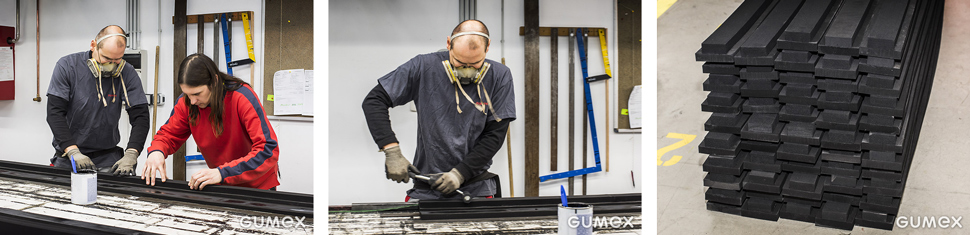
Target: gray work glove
x,y
126,165
447,182
396,167
83,162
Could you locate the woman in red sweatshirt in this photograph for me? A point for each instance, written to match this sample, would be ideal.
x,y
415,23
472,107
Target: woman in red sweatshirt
x,y
224,116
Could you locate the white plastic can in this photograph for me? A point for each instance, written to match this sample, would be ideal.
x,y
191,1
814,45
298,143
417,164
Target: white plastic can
x,y
576,219
84,187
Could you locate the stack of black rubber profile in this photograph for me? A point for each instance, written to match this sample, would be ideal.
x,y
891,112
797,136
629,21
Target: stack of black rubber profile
x,y
816,107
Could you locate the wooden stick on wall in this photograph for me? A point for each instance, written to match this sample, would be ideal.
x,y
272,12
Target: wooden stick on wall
x,y
572,112
554,102
585,35
532,98
155,94
508,147
201,34
181,38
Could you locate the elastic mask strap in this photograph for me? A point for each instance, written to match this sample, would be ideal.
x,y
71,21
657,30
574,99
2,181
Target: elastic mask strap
x,y
490,107
451,77
457,105
125,90
104,101
467,33
118,69
481,74
450,72
469,98
97,82
108,36
485,69
479,88
113,91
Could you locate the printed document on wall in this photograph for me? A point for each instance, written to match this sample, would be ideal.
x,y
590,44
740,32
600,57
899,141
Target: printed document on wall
x,y
308,93
634,108
6,64
289,89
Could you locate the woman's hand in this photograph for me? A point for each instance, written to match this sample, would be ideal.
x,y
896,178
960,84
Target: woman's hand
x,y
205,177
154,166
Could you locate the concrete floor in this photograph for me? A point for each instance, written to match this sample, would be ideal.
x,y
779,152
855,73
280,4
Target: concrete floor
x,y
937,186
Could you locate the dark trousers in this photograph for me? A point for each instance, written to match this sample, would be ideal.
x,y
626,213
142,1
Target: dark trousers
x,y
103,159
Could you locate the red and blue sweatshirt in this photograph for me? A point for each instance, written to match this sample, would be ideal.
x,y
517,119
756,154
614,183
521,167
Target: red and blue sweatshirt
x,y
246,153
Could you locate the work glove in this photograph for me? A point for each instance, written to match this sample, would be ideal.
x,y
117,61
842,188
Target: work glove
x,y
126,165
83,162
447,182
396,167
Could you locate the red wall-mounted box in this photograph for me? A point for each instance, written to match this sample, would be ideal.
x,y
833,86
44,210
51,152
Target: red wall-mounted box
x,y
7,87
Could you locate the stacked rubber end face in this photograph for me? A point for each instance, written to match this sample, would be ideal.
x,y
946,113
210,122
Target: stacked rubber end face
x,y
817,106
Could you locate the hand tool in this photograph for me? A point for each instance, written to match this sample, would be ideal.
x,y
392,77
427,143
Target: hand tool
x,y
606,64
467,198
225,21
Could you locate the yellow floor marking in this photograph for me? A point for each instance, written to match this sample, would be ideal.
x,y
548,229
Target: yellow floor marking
x,y
663,5
684,140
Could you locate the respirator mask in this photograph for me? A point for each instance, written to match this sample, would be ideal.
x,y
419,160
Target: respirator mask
x,y
107,70
468,75
465,75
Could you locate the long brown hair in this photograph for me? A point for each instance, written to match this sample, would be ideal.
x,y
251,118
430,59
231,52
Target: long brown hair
x,y
199,70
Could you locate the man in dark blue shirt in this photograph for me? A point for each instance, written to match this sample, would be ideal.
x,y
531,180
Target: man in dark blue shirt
x,y
465,103
84,101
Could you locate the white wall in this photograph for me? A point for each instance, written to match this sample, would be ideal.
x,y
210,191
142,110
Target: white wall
x,y
69,26
370,38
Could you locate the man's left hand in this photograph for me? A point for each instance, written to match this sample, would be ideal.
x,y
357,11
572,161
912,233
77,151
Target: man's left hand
x,y
447,182
126,165
205,177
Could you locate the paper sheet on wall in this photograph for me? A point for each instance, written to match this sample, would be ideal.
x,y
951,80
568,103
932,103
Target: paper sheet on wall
x,y
6,64
308,93
635,108
288,89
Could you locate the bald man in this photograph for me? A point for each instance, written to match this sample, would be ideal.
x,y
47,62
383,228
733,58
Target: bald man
x,y
87,92
465,103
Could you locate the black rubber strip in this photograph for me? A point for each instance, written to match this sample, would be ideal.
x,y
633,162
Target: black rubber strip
x,y
527,201
19,222
287,203
887,33
846,31
727,35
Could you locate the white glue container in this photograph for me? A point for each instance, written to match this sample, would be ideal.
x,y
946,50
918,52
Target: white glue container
x,y
576,218
84,187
